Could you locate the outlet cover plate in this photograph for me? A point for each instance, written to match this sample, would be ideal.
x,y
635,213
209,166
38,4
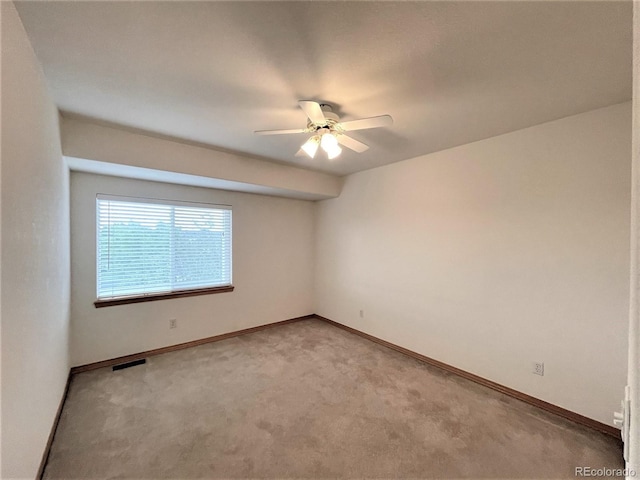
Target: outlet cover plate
x,y
538,368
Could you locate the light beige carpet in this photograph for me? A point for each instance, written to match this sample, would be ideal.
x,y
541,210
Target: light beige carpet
x,y
307,400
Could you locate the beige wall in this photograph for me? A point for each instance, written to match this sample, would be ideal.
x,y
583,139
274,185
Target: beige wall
x,y
493,255
35,256
273,245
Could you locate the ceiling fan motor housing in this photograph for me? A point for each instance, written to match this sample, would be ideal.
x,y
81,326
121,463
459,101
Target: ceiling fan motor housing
x,y
329,125
328,112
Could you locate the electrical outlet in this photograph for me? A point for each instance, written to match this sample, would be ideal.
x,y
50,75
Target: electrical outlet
x,y
361,313
173,323
538,368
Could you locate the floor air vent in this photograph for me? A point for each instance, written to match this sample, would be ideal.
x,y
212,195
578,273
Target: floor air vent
x,y
129,364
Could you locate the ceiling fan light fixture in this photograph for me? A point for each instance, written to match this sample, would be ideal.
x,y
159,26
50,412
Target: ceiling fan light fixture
x,y
328,142
311,146
333,152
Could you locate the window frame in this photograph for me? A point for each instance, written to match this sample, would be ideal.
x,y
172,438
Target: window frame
x,y
147,297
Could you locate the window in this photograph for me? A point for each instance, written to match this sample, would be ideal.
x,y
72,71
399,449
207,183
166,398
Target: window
x,y
149,249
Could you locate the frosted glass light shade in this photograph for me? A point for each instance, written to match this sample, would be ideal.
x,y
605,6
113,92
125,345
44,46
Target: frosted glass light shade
x,y
329,142
311,146
333,152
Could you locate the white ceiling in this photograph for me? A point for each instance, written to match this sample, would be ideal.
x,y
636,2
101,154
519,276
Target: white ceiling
x,y
448,72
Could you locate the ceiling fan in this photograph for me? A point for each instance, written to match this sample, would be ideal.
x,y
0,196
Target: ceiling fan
x,y
327,131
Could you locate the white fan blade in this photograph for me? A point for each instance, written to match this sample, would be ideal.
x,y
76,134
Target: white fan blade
x,y
280,132
313,111
371,122
352,143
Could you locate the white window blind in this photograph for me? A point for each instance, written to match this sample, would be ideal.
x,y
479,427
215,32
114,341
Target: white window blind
x,y
147,246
